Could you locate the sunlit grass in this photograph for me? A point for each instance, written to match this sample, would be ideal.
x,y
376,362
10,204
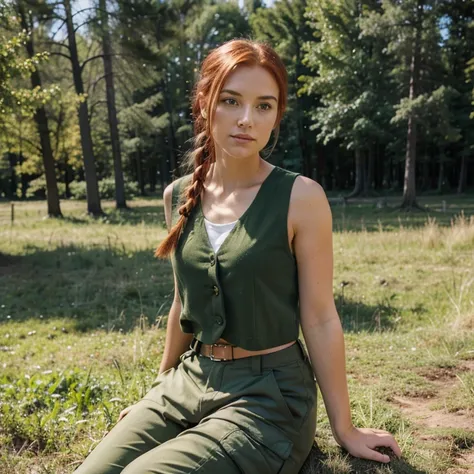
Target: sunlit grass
x,y
83,306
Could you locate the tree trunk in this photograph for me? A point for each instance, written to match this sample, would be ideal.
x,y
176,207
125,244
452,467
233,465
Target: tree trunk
x,y
303,139
336,171
141,181
441,175
152,177
41,120
163,174
305,152
425,182
462,173
93,198
359,175
164,169
301,120
120,201
370,169
409,183
67,179
172,146
320,163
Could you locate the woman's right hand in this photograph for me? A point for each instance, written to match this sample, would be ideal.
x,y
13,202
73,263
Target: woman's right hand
x,y
124,412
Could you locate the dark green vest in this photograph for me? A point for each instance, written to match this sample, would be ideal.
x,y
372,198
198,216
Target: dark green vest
x,y
247,292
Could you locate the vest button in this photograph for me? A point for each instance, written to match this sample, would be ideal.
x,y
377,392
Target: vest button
x,y
219,321
215,288
212,259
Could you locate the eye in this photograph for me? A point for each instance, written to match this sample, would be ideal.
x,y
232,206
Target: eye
x,y
268,106
226,100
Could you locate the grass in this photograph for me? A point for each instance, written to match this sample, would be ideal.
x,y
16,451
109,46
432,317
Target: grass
x,y
83,308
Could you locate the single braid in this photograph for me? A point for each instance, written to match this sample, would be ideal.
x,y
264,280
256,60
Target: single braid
x,y
215,68
191,194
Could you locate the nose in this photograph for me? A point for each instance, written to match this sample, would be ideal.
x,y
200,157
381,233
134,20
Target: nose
x,y
246,119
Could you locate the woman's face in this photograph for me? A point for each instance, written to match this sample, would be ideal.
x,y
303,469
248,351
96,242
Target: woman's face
x,y
247,105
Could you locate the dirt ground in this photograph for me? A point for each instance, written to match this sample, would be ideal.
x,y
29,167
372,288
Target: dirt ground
x,y
427,414
433,420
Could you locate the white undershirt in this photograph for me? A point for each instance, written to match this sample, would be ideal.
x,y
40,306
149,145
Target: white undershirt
x,y
217,233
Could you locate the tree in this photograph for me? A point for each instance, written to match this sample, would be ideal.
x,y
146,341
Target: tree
x,y
111,109
285,27
458,49
21,101
40,117
350,76
61,12
412,33
93,198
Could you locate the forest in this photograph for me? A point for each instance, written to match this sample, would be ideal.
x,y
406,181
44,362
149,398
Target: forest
x,y
95,121
95,94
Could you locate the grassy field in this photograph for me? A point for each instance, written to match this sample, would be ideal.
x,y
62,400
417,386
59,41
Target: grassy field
x,y
83,308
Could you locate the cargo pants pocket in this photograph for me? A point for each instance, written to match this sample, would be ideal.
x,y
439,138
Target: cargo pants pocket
x,y
252,456
290,389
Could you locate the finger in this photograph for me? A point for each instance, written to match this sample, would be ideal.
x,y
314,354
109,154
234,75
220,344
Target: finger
x,y
395,448
387,441
373,455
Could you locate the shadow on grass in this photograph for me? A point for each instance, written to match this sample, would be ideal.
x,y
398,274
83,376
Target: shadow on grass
x,y
357,215
357,315
150,215
94,286
112,288
147,215
342,463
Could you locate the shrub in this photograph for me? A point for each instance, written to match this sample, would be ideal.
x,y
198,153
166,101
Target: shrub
x,y
37,188
106,189
77,189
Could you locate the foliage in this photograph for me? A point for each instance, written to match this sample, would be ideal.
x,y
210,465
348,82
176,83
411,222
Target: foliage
x,y
44,408
348,69
351,76
106,189
13,65
37,188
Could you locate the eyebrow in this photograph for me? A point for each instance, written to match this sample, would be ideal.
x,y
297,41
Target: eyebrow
x,y
262,97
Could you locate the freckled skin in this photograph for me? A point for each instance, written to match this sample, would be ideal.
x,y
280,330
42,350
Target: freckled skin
x,y
257,117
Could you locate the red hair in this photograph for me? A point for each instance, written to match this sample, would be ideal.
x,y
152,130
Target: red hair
x,y
215,69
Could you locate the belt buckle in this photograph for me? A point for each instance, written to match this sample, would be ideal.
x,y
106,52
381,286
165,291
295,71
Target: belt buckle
x,y
220,359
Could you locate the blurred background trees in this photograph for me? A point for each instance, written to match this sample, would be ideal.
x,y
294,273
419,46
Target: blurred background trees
x,y
95,95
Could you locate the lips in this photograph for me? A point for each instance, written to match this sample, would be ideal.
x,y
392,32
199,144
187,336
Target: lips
x,y
243,137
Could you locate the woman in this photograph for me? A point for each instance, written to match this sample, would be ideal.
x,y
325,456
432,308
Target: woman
x,y
251,247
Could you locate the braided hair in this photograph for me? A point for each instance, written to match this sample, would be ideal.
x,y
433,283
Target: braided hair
x,y
219,63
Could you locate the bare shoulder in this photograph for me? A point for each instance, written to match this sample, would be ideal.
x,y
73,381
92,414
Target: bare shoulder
x,y
306,189
168,193
308,202
167,203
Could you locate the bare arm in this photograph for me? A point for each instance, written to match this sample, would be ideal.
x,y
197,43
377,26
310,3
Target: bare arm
x,y
312,225
176,341
319,318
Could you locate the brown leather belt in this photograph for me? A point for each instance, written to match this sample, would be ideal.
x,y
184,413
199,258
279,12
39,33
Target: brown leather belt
x,y
223,352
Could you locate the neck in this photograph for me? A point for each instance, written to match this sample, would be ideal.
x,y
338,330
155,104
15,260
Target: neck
x,y
231,174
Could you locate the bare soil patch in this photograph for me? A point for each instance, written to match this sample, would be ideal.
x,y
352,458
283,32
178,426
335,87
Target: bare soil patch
x,y
465,462
419,410
423,412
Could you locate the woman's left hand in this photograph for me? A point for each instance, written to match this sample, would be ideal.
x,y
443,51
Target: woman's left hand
x,y
361,443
